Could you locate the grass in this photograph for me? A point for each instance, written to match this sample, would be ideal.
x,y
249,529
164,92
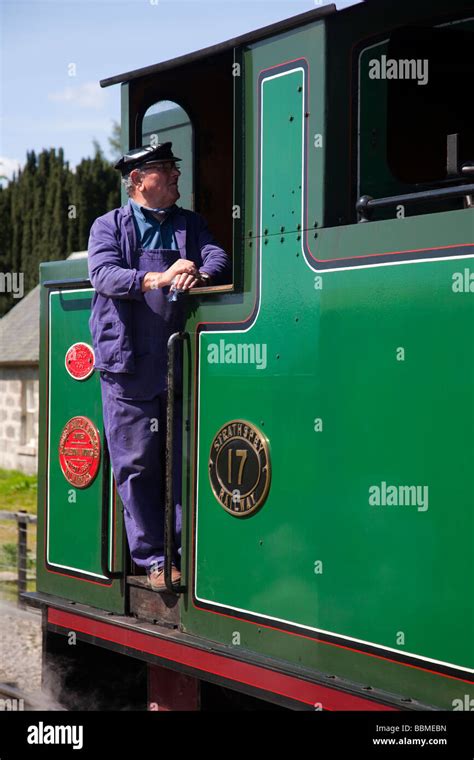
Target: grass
x,y
18,491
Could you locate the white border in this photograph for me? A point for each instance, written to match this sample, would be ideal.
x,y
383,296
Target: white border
x,y
381,648
55,564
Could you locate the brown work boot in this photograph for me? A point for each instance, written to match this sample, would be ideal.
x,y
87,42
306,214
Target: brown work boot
x,y
156,577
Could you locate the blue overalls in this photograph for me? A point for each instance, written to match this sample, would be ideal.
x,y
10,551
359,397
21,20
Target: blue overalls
x,y
136,427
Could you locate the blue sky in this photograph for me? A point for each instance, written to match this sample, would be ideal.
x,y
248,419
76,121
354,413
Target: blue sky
x,y
43,106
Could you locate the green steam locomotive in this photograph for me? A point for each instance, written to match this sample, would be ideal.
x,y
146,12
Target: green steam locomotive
x,y
328,391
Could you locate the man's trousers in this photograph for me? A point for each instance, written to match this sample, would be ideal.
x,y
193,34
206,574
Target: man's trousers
x,y
136,437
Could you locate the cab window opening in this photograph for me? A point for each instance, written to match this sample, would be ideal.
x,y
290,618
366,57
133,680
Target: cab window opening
x,y
413,103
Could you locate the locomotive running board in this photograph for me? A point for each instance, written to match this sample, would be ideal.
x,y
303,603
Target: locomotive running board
x,y
276,681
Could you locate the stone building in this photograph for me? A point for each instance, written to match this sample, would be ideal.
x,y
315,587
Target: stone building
x,y
19,371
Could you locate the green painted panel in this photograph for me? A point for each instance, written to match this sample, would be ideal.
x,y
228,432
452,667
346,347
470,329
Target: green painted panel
x,y
296,116
282,137
70,518
75,514
388,573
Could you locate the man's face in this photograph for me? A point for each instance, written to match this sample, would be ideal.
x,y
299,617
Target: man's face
x,y
158,183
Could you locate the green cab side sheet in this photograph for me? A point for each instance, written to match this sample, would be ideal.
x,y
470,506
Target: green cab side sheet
x,y
362,381
74,514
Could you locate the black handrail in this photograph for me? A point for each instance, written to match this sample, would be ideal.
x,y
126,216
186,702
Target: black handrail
x,y
169,500
104,538
78,282
366,204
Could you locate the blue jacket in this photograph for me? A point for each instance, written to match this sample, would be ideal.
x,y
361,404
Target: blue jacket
x,y
126,324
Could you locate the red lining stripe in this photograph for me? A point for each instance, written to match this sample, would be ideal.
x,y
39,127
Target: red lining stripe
x,y
234,670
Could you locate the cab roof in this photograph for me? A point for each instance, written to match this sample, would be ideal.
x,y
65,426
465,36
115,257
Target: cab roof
x,y
221,47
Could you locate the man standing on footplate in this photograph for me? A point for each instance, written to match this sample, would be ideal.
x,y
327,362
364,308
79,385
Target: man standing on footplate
x,y
142,258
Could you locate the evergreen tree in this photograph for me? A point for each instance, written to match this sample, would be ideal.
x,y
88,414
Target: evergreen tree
x,y
5,241
47,209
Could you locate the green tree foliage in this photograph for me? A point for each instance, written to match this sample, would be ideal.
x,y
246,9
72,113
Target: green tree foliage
x,y
115,141
47,210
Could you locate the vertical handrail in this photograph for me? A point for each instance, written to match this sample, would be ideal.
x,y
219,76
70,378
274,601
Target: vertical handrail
x,y
107,572
169,500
